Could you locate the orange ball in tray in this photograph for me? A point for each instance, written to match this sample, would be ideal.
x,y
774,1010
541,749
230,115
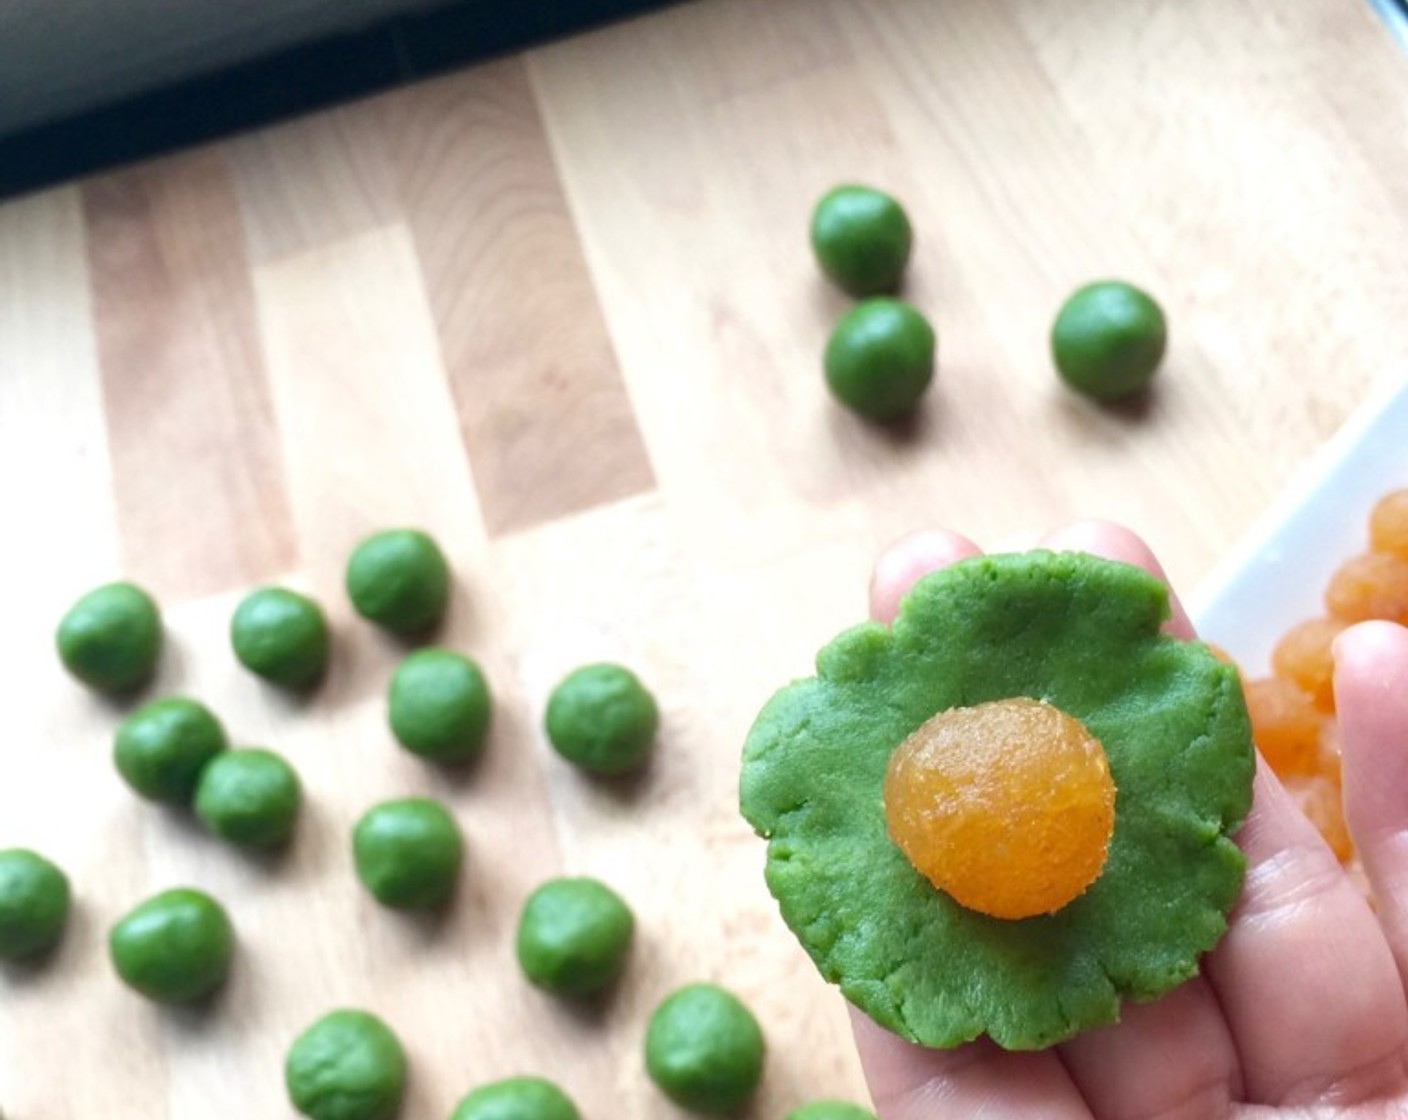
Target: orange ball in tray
x,y
1370,585
1388,525
1292,711
1285,725
1303,657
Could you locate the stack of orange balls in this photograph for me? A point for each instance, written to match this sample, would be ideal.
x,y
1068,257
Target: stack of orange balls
x,y
1293,710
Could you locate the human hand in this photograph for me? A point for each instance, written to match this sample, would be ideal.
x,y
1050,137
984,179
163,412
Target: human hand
x,y
1300,1011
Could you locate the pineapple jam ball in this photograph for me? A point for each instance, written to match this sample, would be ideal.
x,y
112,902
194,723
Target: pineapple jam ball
x,y
1010,811
1008,807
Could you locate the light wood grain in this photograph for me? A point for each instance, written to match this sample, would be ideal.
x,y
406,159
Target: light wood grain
x,y
543,410
560,311
201,504
313,180
58,489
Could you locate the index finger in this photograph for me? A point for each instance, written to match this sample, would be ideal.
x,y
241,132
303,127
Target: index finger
x,y
909,558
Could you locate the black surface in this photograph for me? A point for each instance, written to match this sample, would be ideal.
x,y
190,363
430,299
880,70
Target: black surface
x,y
292,82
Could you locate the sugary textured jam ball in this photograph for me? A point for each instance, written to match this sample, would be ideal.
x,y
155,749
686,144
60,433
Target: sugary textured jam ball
x,y
1007,806
1388,525
1286,725
1370,585
1303,656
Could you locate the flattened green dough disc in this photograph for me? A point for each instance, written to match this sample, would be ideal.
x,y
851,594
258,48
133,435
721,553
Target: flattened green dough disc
x,y
830,1110
1080,633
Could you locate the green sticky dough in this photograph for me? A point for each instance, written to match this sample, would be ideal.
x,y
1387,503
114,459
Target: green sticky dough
x,y
174,948
249,797
1080,633
602,718
34,904
704,1049
408,853
573,936
281,636
162,747
400,580
1108,340
438,705
111,638
830,1110
349,1065
517,1098
879,359
861,238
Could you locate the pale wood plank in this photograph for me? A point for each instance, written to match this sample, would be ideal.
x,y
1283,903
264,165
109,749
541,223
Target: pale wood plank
x,y
1013,209
364,410
544,413
57,502
199,485
1232,148
53,441
314,180
1026,216
704,269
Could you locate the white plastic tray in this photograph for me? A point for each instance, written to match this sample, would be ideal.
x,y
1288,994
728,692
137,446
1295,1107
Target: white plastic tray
x,y
1276,575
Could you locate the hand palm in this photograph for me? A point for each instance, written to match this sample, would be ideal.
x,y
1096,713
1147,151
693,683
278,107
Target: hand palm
x,y
1300,1011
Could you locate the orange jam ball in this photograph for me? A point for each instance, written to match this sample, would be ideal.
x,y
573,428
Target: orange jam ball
x,y
1370,585
1303,657
1286,725
1319,800
1007,806
1388,525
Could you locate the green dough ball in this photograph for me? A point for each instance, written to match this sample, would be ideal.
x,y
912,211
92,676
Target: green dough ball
x,y
438,705
174,948
281,636
704,1049
408,853
1082,634
249,797
880,359
111,637
573,936
34,901
162,747
603,719
830,1110
1108,340
861,238
349,1065
399,579
517,1098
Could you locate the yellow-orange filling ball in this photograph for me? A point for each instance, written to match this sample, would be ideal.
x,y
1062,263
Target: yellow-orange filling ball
x,y
1305,655
1286,724
1388,524
1008,806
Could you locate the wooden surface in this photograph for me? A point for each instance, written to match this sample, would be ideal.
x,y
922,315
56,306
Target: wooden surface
x,y
559,311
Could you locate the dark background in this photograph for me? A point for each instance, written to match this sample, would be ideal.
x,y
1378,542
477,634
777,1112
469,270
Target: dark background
x,y
291,82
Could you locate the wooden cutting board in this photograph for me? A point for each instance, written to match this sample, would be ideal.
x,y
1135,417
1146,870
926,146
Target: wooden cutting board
x,y
559,311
